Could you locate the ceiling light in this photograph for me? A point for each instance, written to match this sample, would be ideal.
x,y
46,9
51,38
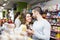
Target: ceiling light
x,y
4,4
5,0
2,7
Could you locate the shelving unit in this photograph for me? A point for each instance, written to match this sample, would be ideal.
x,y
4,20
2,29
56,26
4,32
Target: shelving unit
x,y
54,20
53,37
56,31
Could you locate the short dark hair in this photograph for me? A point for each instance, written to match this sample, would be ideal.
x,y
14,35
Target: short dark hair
x,y
37,8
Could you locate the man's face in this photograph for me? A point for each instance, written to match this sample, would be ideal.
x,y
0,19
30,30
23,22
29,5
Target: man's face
x,y
34,13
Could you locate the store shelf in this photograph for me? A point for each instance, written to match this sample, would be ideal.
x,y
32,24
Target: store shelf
x,y
56,31
55,25
53,37
52,18
54,11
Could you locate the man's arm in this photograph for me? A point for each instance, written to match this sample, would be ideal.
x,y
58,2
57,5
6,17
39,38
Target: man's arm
x,y
46,32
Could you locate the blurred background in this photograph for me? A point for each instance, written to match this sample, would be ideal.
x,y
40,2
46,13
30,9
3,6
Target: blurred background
x,y
8,9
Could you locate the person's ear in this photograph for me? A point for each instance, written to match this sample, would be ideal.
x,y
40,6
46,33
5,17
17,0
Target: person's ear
x,y
36,12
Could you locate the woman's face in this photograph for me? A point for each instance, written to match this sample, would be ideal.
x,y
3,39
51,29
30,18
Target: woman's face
x,y
28,18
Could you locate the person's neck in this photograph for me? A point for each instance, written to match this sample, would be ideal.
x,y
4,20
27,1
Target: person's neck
x,y
39,17
18,17
27,23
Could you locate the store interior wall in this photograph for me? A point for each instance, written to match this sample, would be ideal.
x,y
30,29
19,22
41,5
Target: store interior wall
x,y
46,5
21,5
51,3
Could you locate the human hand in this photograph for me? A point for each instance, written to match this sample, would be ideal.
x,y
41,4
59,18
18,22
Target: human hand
x,y
30,32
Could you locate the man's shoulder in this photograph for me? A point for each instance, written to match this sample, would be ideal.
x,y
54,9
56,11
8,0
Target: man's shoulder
x,y
16,19
45,21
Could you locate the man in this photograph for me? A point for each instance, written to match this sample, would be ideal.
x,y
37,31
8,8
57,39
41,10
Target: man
x,y
41,27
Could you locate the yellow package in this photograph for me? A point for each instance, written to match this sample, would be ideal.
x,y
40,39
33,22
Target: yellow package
x,y
58,35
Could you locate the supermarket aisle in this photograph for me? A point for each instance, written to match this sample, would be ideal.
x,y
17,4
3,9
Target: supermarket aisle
x,y
8,9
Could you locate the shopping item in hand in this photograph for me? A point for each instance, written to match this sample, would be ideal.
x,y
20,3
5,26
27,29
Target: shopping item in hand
x,y
28,27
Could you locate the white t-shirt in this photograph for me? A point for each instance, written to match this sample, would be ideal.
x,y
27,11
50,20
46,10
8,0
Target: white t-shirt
x,y
17,22
41,30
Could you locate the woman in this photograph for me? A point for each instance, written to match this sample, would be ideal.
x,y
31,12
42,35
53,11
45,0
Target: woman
x,y
0,26
26,24
17,20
